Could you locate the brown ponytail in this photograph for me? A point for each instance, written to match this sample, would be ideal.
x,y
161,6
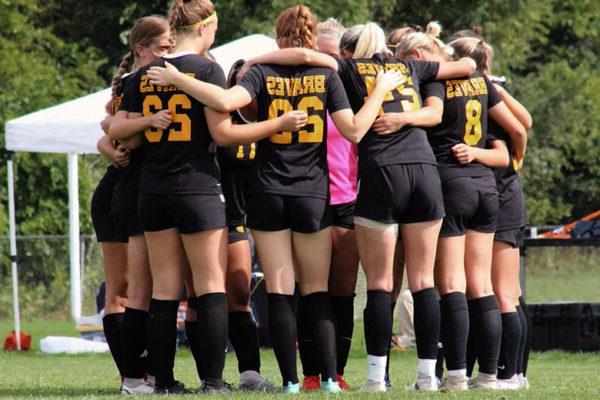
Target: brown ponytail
x,y
296,27
144,32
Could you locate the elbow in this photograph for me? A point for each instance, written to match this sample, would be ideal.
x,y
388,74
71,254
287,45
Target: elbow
x,y
505,160
305,56
471,65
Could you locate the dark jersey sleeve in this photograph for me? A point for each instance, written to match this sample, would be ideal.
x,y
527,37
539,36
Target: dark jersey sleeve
x,y
424,70
252,81
336,95
128,88
493,96
433,89
212,73
134,101
345,69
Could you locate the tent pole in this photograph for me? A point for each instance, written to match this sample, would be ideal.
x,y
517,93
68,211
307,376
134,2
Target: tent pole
x,y
75,270
13,247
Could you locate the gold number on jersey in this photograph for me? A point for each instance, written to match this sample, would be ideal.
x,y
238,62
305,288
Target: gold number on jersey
x,y
407,105
177,102
316,134
240,152
282,106
473,131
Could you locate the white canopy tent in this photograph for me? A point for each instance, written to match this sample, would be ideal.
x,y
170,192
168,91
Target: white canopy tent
x,y
72,128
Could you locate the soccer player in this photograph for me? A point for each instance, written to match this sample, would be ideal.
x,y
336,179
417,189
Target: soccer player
x,y
288,210
148,40
182,208
236,167
463,260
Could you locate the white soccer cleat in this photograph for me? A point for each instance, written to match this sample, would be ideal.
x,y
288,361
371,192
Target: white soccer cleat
x,y
512,383
425,383
454,383
132,386
483,381
373,386
524,382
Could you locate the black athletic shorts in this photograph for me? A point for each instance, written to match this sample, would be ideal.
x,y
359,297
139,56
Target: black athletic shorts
x,y
237,233
276,212
515,237
127,223
471,203
343,215
235,182
102,219
511,203
190,213
401,193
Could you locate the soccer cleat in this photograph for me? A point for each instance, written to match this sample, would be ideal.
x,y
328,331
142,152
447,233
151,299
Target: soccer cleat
x,y
343,384
524,382
483,381
252,381
509,384
374,386
132,386
311,382
215,387
454,383
291,388
329,386
176,388
425,383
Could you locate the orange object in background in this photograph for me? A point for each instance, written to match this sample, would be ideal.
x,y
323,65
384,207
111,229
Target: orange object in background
x,y
564,231
10,343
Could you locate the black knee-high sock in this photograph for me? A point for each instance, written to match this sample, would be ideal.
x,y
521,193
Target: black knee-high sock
x,y
135,343
439,362
522,339
318,308
509,348
389,349
212,335
343,312
529,336
113,332
191,332
243,334
378,322
427,323
489,326
282,325
473,340
454,329
162,340
306,344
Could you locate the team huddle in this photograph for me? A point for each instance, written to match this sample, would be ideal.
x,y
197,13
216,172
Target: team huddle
x,y
342,148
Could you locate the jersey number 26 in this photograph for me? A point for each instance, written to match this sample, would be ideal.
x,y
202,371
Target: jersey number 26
x,y
177,102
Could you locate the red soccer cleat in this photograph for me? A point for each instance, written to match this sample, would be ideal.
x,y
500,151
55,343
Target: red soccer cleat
x,y
343,384
311,383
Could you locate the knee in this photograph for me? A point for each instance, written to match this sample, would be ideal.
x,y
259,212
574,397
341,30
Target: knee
x,y
238,295
342,285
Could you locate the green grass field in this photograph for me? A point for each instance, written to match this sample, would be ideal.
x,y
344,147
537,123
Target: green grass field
x,y
553,375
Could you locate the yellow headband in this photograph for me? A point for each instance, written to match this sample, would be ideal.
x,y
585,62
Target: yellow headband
x,y
212,17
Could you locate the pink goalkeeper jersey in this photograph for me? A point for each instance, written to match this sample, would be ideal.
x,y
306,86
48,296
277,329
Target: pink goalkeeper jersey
x,y
343,166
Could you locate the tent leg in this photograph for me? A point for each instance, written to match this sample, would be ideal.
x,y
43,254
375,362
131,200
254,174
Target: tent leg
x,y
75,271
13,247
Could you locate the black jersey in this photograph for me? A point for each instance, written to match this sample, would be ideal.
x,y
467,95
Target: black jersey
x,y
125,192
237,155
182,158
504,176
409,144
465,120
294,163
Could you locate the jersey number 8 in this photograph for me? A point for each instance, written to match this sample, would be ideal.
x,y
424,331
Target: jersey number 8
x,y
177,102
282,106
473,131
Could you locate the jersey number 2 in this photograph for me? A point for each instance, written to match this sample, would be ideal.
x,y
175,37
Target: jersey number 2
x,y
177,102
282,106
473,131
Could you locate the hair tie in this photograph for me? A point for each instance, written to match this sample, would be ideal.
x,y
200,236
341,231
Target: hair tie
x,y
212,17
329,32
